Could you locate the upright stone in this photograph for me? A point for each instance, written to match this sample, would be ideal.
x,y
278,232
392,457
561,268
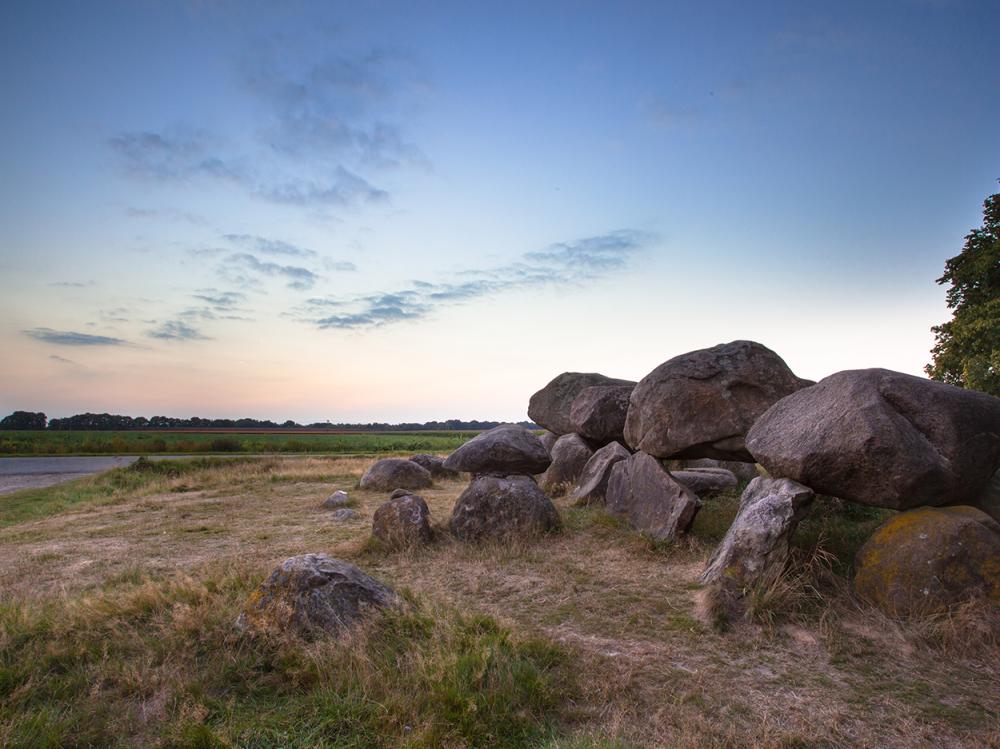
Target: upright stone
x,y
569,456
641,491
593,484
550,407
701,404
754,551
883,438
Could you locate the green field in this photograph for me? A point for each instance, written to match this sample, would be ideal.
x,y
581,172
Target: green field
x,y
178,443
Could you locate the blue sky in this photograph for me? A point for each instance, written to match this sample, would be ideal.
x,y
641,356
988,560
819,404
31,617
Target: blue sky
x,y
395,211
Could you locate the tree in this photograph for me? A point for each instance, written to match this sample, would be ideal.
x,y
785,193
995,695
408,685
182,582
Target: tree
x,y
967,347
23,420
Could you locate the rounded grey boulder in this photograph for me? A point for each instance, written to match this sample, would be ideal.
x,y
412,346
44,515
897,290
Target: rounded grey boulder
x,y
701,404
569,455
883,438
502,508
504,450
598,413
550,407
314,594
335,500
402,522
395,473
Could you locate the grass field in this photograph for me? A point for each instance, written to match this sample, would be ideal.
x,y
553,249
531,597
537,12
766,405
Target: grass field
x,y
118,595
178,443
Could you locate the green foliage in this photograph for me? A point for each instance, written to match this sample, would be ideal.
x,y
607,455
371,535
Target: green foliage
x,y
23,420
135,442
967,347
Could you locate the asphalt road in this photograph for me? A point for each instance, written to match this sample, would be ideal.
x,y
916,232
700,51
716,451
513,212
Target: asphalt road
x,y
33,473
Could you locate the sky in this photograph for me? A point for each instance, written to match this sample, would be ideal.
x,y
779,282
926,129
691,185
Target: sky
x,y
378,211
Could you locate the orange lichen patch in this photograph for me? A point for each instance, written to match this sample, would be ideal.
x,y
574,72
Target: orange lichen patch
x,y
928,559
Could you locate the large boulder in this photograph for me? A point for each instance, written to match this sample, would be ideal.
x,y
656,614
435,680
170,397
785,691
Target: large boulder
x,y
569,455
701,404
593,483
502,508
502,451
925,560
550,407
434,465
395,473
402,522
754,551
707,482
598,413
314,594
883,438
643,492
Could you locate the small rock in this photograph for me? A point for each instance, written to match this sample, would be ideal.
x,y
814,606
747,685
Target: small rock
x,y
504,450
337,499
435,465
641,491
314,594
569,455
593,484
395,473
396,493
502,508
344,515
403,521
548,440
754,551
707,482
925,560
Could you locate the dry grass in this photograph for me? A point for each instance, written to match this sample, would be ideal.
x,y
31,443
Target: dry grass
x,y
811,666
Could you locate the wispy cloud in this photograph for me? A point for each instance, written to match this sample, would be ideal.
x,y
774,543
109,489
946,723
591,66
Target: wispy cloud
x,y
263,245
223,300
246,270
72,338
176,330
61,359
560,264
163,157
73,284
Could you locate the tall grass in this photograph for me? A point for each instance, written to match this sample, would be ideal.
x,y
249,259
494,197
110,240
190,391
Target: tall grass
x,y
159,664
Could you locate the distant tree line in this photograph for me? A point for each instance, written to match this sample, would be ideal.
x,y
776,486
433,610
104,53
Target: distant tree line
x,y
115,422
